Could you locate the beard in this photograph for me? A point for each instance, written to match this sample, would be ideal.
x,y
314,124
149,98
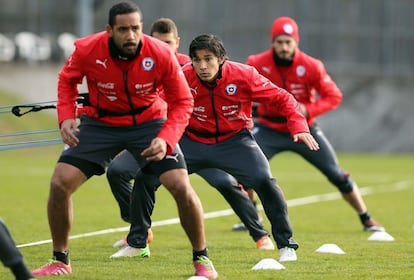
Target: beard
x,y
283,58
125,51
122,52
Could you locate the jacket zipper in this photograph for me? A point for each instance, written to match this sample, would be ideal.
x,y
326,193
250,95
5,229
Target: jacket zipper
x,y
129,97
215,114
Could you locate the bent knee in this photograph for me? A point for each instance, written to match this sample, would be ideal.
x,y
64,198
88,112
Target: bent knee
x,y
343,183
180,190
263,180
114,170
59,186
66,179
177,183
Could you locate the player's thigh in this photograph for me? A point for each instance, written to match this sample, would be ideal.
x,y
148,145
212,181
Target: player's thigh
x,y
271,141
177,182
124,164
217,177
67,178
325,158
242,157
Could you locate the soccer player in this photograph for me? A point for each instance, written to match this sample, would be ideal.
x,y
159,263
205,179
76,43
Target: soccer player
x,y
306,79
123,68
124,167
10,256
218,134
166,30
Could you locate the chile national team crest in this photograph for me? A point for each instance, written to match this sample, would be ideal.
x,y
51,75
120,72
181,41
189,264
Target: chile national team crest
x,y
231,89
147,63
300,70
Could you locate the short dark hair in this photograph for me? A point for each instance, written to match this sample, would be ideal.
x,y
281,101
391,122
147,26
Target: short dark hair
x,y
122,9
208,42
163,26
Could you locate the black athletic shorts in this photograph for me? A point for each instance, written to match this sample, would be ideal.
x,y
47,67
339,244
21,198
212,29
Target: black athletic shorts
x,y
99,143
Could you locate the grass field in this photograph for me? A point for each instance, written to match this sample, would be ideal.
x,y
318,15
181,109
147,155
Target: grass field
x,y
387,182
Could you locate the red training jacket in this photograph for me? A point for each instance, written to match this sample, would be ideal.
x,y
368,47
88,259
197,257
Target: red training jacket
x,y
224,110
182,58
306,79
119,86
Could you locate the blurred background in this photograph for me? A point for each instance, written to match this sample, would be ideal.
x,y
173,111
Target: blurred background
x,y
367,47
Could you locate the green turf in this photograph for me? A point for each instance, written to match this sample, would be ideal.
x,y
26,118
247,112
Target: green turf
x,y
388,179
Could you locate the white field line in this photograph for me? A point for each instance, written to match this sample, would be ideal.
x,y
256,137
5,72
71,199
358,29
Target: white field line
x,y
398,186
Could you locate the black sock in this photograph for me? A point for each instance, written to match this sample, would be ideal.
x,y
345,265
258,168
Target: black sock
x,y
196,254
364,217
21,272
62,256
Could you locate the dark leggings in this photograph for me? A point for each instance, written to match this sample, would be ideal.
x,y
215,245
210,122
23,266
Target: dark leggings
x,y
124,168
273,142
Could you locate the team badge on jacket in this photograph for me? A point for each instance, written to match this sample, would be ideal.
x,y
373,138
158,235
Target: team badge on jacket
x,y
300,71
147,63
231,89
